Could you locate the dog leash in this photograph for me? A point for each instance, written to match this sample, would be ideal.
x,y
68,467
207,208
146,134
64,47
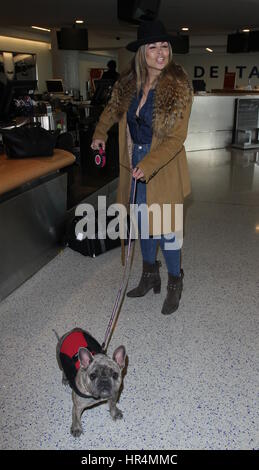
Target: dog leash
x,y
124,282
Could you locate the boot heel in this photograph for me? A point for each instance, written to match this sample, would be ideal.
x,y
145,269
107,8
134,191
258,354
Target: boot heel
x,y
157,289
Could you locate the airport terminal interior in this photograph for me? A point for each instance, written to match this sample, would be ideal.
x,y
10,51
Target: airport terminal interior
x,y
191,378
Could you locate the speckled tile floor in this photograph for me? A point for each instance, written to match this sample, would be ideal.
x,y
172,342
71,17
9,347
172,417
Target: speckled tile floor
x,y
192,378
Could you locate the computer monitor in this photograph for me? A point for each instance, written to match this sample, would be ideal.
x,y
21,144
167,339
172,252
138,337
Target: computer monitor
x,y
55,85
198,85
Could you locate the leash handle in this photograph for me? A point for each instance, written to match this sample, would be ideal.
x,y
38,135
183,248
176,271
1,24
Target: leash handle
x,y
122,286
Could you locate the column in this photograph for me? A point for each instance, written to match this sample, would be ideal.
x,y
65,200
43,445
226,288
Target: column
x,y
65,64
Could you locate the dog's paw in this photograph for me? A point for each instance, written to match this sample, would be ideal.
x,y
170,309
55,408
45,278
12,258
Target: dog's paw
x,y
76,432
116,414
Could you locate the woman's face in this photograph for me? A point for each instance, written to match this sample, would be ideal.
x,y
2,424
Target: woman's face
x,y
157,55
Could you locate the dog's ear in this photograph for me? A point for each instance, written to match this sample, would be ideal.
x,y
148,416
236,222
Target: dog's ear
x,y
85,357
119,356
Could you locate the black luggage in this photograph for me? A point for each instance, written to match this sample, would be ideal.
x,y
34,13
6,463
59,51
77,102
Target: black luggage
x,y
91,247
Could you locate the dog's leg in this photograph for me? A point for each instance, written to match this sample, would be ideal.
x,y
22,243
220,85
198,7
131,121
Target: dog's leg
x,y
78,408
116,413
76,428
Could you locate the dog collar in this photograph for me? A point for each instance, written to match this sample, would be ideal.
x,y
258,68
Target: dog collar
x,y
82,395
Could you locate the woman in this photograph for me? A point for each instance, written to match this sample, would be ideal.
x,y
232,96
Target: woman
x,y
152,103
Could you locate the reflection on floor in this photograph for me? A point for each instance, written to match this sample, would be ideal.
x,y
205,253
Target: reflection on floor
x,y
227,176
192,378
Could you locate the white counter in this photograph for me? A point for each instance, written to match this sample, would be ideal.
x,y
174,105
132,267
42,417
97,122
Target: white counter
x,y
212,121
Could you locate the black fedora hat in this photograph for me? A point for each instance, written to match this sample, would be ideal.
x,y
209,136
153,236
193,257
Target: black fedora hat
x,y
149,32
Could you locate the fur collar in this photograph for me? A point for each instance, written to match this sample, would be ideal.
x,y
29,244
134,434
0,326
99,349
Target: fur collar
x,y
172,95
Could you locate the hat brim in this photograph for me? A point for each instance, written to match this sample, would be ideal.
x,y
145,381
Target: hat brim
x,y
133,46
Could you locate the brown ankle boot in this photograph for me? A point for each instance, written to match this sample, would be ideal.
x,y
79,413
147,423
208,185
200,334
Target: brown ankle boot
x,y
150,279
174,292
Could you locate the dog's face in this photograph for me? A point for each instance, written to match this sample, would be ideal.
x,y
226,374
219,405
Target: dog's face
x,y
100,375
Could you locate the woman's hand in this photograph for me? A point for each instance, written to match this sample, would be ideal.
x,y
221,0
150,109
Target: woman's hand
x,y
95,145
138,174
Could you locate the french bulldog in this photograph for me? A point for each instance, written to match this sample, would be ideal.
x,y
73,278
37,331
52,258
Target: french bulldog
x,y
93,376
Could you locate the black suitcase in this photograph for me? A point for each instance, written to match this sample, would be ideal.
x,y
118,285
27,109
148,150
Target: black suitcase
x,y
91,247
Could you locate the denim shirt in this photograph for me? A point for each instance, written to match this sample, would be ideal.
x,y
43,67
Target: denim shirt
x,y
141,127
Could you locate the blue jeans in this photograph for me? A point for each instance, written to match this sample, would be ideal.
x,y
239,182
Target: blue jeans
x,y
149,245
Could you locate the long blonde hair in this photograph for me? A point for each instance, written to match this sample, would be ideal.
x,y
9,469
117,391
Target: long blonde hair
x,y
141,69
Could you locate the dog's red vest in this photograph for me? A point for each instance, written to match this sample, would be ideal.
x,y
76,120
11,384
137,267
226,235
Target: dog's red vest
x,y
69,353
71,345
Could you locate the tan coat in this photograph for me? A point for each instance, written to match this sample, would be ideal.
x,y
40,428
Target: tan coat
x,y
165,166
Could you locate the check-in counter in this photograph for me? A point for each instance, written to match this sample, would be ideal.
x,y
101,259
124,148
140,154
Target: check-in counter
x,y
212,120
33,205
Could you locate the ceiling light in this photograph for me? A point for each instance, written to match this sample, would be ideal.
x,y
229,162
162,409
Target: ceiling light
x,y
185,29
42,29
208,49
246,30
79,21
